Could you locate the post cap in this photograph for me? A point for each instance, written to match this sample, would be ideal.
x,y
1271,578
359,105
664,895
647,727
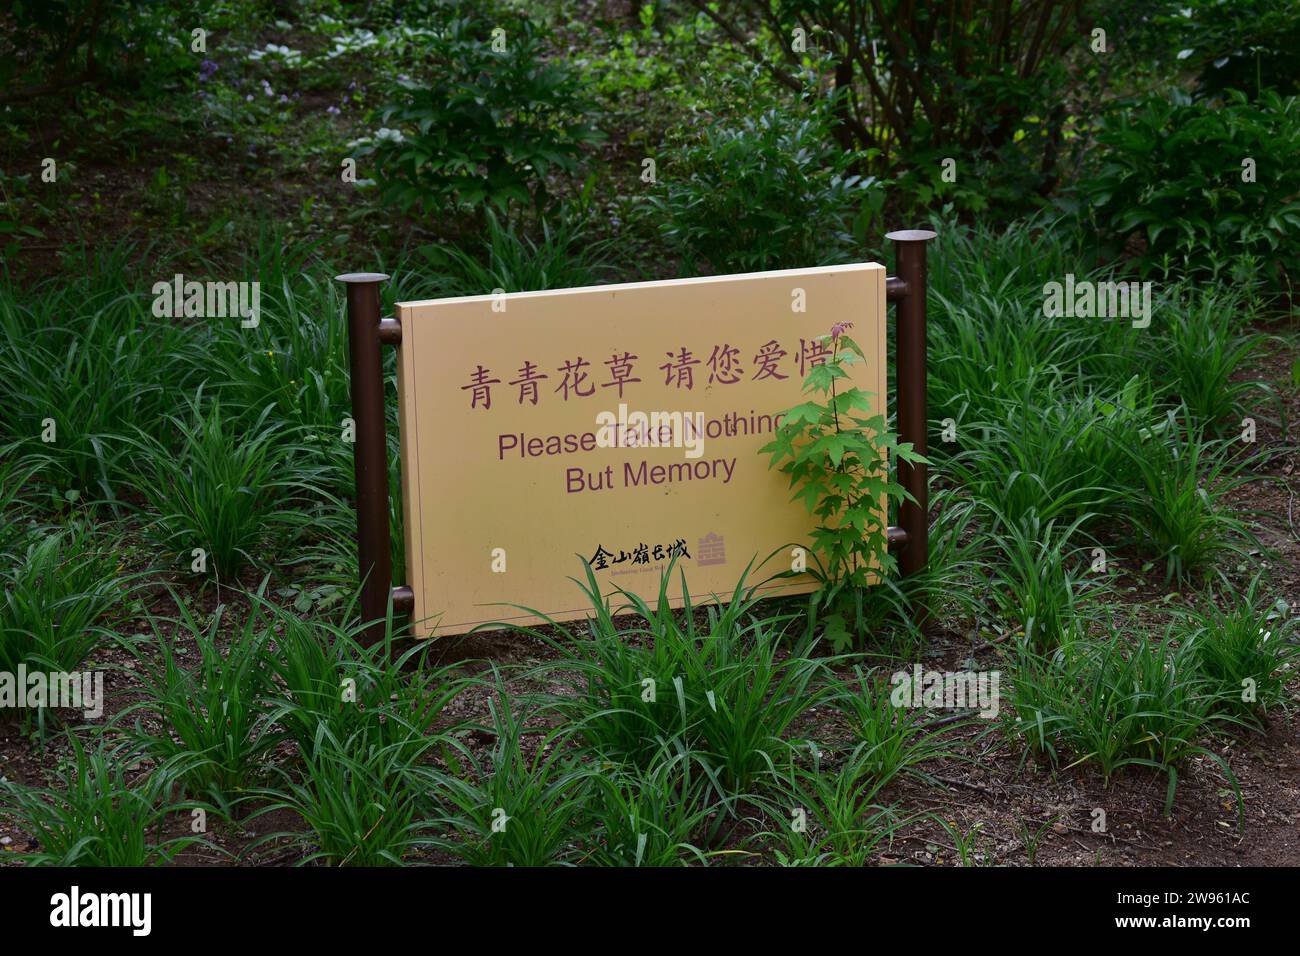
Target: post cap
x,y
911,235
357,278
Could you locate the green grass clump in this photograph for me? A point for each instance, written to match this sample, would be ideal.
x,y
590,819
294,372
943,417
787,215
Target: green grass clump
x,y
56,597
222,492
524,803
1115,702
828,814
215,711
655,817
657,675
103,818
1245,650
358,798
1180,514
1038,582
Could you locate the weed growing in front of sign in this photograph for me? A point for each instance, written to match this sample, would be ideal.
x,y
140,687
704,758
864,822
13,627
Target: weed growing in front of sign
x,y
104,817
839,464
957,557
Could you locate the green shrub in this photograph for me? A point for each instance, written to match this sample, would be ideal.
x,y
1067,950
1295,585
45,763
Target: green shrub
x,y
482,126
1247,45
767,193
839,465
1172,174
919,83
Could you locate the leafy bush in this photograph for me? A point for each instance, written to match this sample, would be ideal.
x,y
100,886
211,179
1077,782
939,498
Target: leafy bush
x,y
1172,174
1246,45
929,81
484,126
838,462
767,193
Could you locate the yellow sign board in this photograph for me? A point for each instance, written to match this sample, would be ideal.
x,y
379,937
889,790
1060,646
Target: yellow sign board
x,y
618,423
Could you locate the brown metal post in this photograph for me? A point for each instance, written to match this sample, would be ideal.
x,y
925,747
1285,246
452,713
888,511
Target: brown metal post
x,y
913,518
370,449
